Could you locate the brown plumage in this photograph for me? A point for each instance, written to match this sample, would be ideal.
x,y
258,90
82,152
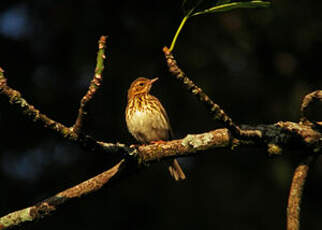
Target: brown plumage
x,y
147,120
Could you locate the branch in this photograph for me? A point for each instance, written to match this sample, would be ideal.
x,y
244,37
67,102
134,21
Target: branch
x,y
308,100
31,112
46,207
216,112
71,133
275,138
296,191
302,133
94,86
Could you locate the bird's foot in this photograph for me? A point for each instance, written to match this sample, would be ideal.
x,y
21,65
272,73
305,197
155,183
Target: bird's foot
x,y
158,142
135,146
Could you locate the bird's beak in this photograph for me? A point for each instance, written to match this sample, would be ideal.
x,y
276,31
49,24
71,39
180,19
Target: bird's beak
x,y
153,80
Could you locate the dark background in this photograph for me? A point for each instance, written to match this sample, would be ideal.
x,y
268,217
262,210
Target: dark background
x,y
257,64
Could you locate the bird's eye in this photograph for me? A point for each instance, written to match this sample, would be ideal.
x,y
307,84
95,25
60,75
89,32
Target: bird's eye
x,y
141,84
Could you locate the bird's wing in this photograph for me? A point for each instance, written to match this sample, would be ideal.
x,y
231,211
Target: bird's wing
x,y
165,115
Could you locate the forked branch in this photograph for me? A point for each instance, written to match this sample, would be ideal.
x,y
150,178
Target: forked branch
x,y
274,137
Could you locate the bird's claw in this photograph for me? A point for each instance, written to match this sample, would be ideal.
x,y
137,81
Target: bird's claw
x,y
158,142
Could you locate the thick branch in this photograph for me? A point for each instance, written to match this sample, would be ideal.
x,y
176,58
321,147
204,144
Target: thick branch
x,y
94,86
296,191
189,145
49,205
214,109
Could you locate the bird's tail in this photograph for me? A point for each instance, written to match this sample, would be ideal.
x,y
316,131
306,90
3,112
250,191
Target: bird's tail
x,y
176,171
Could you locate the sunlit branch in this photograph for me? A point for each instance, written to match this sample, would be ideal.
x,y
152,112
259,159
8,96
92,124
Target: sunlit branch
x,y
94,86
214,109
48,206
296,192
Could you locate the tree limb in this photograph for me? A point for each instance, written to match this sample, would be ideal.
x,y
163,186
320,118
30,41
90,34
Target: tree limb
x,y
46,207
214,109
296,192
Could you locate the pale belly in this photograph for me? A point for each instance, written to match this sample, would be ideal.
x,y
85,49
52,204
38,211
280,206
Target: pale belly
x,y
146,127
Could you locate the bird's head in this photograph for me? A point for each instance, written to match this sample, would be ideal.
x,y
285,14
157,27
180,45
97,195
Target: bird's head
x,y
140,86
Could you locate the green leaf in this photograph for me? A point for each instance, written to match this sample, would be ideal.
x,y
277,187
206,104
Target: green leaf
x,y
226,5
212,6
198,7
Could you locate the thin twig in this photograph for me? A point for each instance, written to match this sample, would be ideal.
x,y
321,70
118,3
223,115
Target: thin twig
x,y
307,101
70,133
295,195
48,206
31,112
94,86
215,110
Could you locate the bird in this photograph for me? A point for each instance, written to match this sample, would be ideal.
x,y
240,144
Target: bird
x,y
147,120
